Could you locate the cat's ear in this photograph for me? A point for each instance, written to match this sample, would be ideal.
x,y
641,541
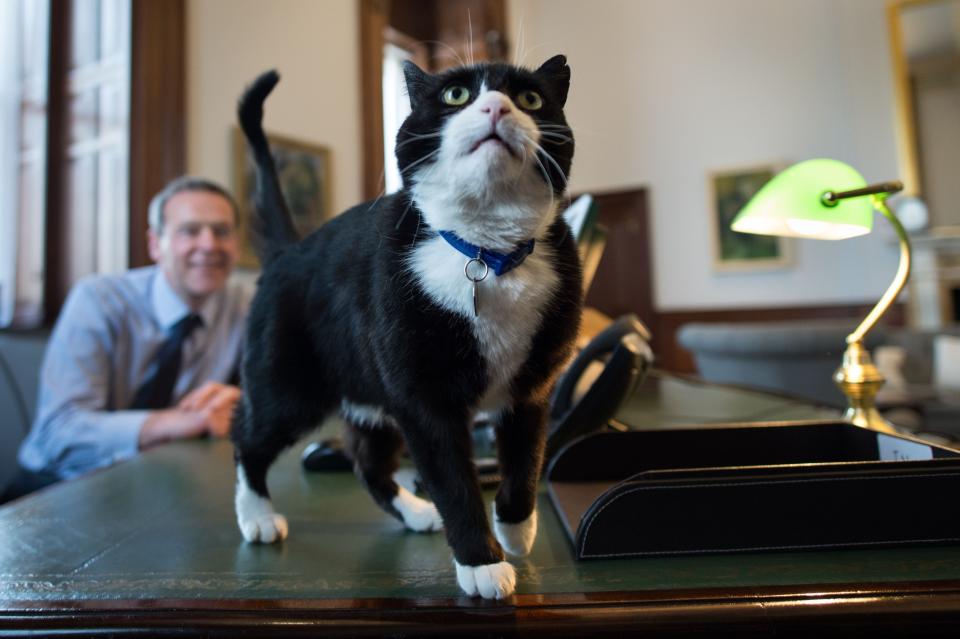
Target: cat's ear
x,y
417,82
557,72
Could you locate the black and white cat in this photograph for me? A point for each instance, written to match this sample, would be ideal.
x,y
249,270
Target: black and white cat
x,y
460,293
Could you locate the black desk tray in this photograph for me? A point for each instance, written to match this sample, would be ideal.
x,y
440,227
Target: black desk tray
x,y
753,487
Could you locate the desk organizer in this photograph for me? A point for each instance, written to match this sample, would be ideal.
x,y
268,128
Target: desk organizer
x,y
753,487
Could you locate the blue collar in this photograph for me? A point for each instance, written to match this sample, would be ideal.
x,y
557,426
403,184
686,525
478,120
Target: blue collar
x,y
500,263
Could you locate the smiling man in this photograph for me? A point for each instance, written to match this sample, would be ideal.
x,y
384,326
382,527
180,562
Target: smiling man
x,y
149,356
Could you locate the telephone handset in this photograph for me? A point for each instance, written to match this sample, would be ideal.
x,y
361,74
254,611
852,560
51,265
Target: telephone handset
x,y
597,382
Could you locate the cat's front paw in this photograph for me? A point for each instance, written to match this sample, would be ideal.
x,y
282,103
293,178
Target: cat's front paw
x,y
264,529
418,514
490,581
259,522
516,539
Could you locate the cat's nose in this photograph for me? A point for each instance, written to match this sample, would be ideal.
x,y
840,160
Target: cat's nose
x,y
496,105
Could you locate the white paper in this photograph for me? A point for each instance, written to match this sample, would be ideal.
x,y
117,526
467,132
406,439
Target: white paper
x,y
896,449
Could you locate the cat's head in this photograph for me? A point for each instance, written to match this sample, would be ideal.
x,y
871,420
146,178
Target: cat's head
x,y
487,134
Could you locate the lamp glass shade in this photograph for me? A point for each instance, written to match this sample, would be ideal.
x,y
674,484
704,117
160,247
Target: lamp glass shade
x,y
791,204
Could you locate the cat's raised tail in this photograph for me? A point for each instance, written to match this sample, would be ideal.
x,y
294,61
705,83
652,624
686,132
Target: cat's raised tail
x,y
272,224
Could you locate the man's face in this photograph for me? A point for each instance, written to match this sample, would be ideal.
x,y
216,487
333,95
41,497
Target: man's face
x,y
198,245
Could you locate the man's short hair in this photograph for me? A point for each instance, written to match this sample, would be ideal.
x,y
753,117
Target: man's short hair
x,y
183,183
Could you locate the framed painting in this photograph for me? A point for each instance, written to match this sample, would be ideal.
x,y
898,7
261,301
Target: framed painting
x,y
304,171
729,191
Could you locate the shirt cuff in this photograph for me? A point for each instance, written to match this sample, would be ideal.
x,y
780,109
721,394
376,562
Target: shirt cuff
x,y
124,438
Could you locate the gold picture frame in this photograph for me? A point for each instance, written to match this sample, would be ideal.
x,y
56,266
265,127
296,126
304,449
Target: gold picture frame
x,y
729,191
304,170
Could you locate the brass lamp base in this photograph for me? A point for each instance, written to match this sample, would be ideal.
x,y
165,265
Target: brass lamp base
x,y
860,379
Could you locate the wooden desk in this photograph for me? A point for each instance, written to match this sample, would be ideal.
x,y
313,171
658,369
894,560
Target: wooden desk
x,y
151,546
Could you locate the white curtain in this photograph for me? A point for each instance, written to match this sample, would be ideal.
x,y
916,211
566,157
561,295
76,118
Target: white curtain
x,y
10,51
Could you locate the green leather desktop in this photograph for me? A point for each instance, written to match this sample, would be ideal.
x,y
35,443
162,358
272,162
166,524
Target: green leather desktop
x,y
151,546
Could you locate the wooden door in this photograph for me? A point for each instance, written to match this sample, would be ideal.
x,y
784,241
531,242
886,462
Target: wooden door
x,y
623,282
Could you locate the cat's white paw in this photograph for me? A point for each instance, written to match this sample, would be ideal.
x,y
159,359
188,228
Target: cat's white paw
x,y
259,522
264,529
516,539
490,581
418,514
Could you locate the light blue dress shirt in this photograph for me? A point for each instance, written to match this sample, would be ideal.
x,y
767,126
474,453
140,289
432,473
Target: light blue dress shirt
x,y
103,348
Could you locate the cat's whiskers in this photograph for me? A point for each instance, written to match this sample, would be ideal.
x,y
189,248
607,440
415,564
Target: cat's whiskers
x,y
557,135
380,195
410,166
403,215
541,150
383,188
422,136
523,163
546,176
556,132
550,126
416,137
520,55
517,58
455,53
527,53
416,231
553,162
470,32
563,139
581,129
413,137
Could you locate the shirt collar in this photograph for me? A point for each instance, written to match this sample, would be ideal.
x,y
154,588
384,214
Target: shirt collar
x,y
170,309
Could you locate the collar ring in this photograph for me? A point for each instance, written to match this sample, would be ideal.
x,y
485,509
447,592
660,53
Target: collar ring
x,y
476,278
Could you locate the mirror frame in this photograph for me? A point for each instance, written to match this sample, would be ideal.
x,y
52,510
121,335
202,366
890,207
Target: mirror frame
x,y
906,123
906,130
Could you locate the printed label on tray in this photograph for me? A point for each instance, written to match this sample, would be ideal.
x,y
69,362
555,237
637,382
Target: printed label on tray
x,y
896,449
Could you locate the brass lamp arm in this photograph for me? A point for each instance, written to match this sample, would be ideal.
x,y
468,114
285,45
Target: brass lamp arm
x,y
899,280
830,198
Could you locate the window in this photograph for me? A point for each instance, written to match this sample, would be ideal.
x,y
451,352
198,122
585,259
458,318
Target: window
x,y
96,138
396,107
397,49
82,82
24,30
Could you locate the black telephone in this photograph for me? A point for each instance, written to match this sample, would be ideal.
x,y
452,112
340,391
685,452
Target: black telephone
x,y
623,351
587,395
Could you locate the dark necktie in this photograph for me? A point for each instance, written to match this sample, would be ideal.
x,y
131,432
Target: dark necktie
x,y
156,391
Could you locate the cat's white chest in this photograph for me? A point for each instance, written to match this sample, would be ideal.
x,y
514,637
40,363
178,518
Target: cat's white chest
x,y
509,307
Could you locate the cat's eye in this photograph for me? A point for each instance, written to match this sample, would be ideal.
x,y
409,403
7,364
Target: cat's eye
x,y
456,95
530,100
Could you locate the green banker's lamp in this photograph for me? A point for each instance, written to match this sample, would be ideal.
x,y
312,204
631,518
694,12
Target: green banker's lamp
x,y
828,200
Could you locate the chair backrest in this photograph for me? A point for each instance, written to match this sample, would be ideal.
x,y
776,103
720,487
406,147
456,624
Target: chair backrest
x,y
793,357
21,355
